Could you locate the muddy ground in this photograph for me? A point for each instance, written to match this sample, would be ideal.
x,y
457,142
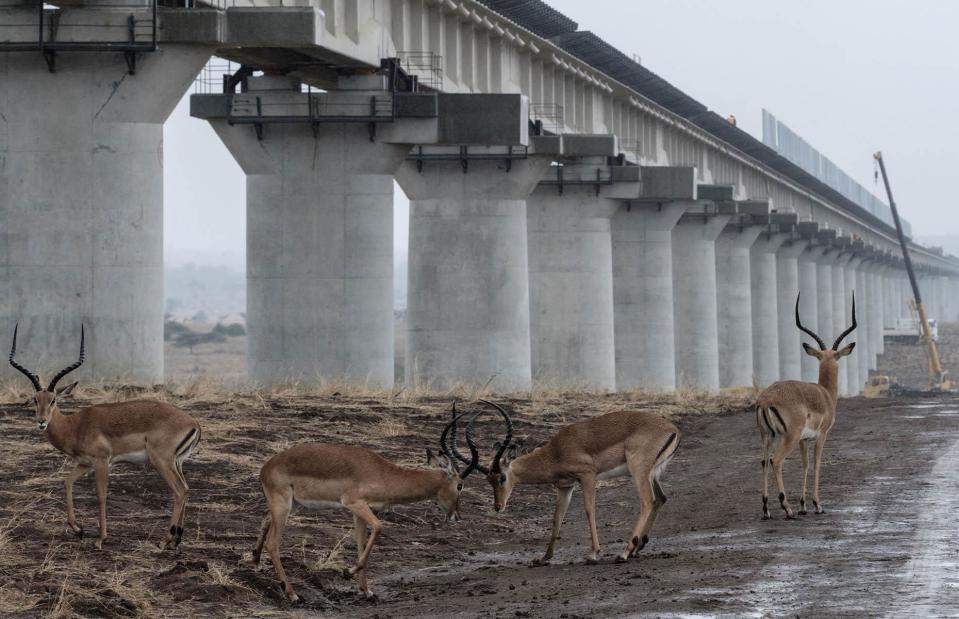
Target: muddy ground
x,y
886,545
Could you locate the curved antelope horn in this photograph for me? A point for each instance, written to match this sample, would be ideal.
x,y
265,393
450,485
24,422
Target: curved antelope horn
x,y
70,368
473,462
509,434
822,345
13,353
449,447
839,339
472,445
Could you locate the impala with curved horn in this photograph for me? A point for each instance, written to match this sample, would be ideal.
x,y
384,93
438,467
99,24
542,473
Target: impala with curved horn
x,y
613,445
792,413
317,476
98,436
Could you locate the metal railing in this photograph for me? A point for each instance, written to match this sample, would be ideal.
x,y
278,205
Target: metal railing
x,y
426,66
137,33
548,116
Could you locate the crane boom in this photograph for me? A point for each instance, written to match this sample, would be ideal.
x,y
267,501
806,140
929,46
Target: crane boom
x,y
937,376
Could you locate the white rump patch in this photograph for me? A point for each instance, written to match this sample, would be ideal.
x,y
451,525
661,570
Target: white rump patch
x,y
620,471
809,434
136,457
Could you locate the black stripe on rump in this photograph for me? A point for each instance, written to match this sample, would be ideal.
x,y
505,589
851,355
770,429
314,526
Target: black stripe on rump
x,y
669,442
781,422
766,421
186,439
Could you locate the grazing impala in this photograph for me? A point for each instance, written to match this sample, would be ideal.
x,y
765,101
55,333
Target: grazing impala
x,y
792,414
316,476
613,445
98,436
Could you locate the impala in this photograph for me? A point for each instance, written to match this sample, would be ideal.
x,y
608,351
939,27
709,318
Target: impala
x,y
317,476
792,414
98,436
613,445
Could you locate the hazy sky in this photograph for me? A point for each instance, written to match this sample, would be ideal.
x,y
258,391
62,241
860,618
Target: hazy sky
x,y
850,77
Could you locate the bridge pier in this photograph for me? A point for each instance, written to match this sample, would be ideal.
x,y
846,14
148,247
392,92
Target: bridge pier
x,y
81,204
809,308
694,304
468,316
643,295
824,301
867,317
851,282
765,307
571,287
787,287
734,304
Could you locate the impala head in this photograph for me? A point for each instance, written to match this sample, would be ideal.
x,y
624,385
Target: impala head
x,y
448,495
46,399
498,474
828,357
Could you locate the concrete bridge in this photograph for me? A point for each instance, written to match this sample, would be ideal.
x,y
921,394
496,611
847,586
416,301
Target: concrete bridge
x,y
575,219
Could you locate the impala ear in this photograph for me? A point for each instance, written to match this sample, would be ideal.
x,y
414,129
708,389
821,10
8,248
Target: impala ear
x,y
68,390
845,350
812,352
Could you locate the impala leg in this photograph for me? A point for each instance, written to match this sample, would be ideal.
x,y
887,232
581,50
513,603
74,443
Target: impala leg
x,y
563,496
101,469
648,505
361,510
804,452
186,491
280,506
779,456
78,471
765,468
360,534
166,467
588,484
264,529
817,504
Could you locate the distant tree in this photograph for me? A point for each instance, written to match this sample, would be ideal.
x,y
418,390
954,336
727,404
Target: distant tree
x,y
191,339
199,317
172,328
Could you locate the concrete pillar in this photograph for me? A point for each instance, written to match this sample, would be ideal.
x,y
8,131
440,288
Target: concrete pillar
x,y
787,287
809,308
734,305
571,288
854,378
643,295
890,287
319,248
866,316
765,308
824,309
878,310
840,317
468,316
694,289
81,207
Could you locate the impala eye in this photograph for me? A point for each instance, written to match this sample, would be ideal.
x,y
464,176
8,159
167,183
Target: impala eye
x,y
459,487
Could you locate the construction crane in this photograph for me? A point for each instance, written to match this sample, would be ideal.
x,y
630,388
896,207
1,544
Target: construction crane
x,y
938,378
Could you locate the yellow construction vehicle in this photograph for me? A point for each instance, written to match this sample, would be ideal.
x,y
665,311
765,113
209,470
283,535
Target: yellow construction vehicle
x,y
938,378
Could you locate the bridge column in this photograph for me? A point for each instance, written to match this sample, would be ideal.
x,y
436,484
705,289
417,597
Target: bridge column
x,y
765,308
890,289
468,319
571,287
867,320
841,317
809,308
694,309
734,304
878,309
824,308
643,295
860,335
81,204
787,287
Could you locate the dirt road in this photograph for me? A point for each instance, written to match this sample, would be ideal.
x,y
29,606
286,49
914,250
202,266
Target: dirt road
x,y
885,547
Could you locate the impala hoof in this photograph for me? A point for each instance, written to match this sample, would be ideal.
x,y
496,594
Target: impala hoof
x,y
821,511
767,517
99,544
802,512
621,559
790,517
539,562
592,561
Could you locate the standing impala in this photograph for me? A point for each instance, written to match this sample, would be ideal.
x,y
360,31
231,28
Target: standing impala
x,y
317,476
792,414
613,445
100,435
